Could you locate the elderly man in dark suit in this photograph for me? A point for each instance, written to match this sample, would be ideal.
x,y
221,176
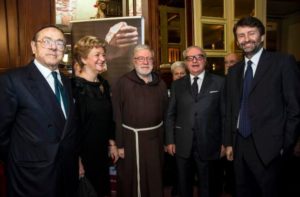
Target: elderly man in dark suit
x,y
38,123
262,111
194,125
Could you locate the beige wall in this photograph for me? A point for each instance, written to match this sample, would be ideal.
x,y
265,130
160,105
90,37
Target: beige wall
x,y
290,35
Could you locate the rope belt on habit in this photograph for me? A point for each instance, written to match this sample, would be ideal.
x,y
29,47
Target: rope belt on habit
x,y
137,152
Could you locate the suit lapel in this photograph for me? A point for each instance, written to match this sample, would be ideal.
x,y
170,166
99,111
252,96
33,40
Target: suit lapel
x,y
205,83
67,90
188,85
261,69
69,111
240,77
44,95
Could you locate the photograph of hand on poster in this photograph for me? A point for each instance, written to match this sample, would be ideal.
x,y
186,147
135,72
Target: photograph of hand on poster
x,y
121,35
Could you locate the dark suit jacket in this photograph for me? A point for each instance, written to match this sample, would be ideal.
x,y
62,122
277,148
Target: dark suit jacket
x,y
36,141
202,117
274,104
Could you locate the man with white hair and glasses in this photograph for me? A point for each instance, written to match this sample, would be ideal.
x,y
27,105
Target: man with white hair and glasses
x,y
194,126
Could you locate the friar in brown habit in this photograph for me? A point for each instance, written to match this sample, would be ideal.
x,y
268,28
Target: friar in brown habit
x,y
139,101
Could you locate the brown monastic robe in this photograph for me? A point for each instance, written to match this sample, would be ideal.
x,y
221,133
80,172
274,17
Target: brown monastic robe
x,y
140,105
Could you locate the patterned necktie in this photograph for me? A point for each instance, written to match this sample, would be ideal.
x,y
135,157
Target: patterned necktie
x,y
244,125
59,91
195,87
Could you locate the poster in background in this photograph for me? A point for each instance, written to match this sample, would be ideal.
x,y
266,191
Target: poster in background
x,y
69,10
129,29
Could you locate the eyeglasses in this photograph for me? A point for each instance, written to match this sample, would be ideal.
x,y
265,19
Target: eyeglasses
x,y
199,57
141,59
48,43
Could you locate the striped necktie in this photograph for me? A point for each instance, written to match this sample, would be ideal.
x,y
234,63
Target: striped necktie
x,y
60,92
244,124
195,87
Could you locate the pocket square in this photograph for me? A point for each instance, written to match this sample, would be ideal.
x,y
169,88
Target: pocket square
x,y
177,127
213,91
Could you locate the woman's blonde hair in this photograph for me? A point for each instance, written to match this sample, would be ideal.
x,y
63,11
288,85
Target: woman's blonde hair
x,y
83,47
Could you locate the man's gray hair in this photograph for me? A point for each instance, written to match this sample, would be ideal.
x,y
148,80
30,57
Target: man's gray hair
x,y
141,47
193,47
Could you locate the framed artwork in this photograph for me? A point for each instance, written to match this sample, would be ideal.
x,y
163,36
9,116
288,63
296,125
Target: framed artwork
x,y
122,34
216,65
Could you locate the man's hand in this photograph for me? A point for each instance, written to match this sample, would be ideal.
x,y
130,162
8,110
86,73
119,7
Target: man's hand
x,y
81,168
171,149
297,148
223,151
121,153
229,153
113,153
122,35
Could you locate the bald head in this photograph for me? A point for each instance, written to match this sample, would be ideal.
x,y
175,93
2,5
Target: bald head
x,y
231,59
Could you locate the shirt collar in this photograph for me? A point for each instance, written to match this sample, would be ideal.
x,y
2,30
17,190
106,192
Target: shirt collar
x,y
200,76
43,69
255,58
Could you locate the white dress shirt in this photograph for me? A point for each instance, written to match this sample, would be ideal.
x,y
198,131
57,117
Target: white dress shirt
x,y
199,81
46,72
254,60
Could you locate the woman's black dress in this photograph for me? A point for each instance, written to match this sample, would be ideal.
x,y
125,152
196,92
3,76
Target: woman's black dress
x,y
97,127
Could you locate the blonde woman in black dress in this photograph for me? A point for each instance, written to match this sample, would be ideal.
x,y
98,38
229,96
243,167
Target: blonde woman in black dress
x,y
92,94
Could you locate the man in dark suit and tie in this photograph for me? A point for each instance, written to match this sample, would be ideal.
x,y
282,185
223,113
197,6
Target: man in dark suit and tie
x,y
262,112
194,125
38,124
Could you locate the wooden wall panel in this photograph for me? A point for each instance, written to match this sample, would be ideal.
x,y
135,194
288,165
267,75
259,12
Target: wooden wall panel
x,y
151,14
189,22
12,36
33,14
19,20
4,54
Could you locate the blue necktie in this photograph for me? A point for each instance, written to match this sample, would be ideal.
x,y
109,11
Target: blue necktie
x,y
244,124
59,91
195,87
